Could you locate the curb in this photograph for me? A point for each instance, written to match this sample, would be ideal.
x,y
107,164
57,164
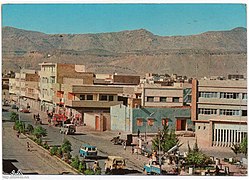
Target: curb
x,y
55,157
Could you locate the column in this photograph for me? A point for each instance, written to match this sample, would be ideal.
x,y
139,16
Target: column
x,y
224,137
229,139
240,137
220,137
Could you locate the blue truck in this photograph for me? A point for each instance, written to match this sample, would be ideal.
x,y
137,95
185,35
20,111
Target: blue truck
x,y
88,151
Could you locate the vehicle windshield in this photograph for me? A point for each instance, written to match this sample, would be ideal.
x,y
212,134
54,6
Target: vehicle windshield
x,y
119,162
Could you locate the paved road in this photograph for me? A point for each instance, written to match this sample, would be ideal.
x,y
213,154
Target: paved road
x,y
134,163
17,157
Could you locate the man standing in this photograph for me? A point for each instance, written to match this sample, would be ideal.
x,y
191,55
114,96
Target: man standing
x,y
138,133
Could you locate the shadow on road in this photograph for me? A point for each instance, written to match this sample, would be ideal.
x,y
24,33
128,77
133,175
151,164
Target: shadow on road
x,y
76,134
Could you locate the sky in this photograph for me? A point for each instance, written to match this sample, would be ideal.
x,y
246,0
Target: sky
x,y
160,19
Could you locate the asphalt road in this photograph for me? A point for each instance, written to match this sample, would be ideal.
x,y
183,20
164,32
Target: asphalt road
x,y
133,162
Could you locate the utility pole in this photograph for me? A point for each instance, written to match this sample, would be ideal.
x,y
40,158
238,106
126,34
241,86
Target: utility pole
x,y
19,99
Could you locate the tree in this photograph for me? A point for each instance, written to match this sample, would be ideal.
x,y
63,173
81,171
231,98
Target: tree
x,y
30,128
168,139
40,132
75,162
14,116
196,157
66,146
243,146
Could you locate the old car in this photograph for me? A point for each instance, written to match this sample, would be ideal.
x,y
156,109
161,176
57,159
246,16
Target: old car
x,y
114,163
68,129
88,151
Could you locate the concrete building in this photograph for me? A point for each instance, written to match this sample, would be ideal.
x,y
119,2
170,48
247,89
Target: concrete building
x,y
219,111
153,104
149,120
51,78
90,104
158,95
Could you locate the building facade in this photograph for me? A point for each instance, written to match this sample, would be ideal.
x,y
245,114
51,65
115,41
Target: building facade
x,y
219,111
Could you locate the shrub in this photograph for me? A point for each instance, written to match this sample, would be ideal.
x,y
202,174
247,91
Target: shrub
x,y
30,128
53,150
66,146
40,132
14,116
89,172
38,141
59,152
75,162
46,146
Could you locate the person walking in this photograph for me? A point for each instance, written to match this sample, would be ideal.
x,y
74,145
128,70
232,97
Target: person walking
x,y
125,145
138,133
28,146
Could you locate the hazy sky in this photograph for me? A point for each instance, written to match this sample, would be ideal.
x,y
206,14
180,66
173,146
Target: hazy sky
x,y
160,19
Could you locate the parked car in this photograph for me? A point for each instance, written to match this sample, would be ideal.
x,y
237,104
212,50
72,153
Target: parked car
x,y
24,110
88,151
68,129
114,163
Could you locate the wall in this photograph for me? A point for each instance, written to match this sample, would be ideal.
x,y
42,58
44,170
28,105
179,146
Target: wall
x,y
120,118
157,114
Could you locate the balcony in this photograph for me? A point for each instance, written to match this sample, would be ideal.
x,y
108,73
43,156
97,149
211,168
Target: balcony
x,y
92,104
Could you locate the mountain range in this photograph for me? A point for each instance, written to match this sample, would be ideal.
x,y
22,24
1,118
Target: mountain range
x,y
130,52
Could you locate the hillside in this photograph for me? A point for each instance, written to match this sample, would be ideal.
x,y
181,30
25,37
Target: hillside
x,y
137,51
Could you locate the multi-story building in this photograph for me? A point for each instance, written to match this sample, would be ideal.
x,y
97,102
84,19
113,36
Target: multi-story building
x,y
51,78
153,105
219,111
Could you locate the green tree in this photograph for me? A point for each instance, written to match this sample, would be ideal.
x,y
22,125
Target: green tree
x,y
14,116
66,146
168,139
30,128
40,132
196,157
75,162
243,146
53,150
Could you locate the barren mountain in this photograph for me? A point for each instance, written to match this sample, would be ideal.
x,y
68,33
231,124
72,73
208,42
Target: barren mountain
x,y
137,51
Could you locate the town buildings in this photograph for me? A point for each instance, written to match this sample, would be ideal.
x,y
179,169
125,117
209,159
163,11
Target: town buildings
x,y
219,111
215,109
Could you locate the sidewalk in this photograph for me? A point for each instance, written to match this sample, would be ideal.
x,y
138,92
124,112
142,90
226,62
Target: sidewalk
x,y
35,161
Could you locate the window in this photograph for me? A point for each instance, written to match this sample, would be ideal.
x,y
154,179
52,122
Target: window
x,y
207,111
102,97
244,96
89,97
208,94
165,122
225,95
52,79
229,112
82,97
163,99
110,98
176,99
139,122
150,122
244,112
150,99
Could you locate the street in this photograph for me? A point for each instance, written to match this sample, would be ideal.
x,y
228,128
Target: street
x,y
134,163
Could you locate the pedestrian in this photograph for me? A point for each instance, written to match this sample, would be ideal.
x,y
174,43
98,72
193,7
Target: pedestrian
x,y
28,146
138,133
132,149
18,134
38,115
119,135
17,109
125,145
